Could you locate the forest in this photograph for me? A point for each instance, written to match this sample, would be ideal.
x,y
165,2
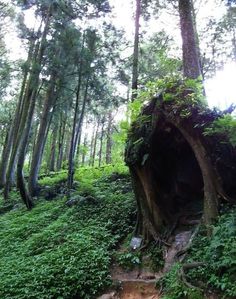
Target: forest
x,y
117,149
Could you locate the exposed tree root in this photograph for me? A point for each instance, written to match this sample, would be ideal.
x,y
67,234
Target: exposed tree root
x,y
182,274
181,253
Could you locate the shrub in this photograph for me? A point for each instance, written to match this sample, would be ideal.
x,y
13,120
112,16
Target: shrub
x,y
58,252
218,253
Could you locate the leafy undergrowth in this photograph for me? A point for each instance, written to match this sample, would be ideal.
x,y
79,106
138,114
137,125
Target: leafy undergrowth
x,y
59,252
150,258
218,253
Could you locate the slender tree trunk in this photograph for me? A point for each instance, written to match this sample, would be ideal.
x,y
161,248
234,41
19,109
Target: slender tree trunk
x,y
14,128
95,144
92,145
38,151
26,118
84,152
109,140
191,59
60,143
5,156
77,150
53,150
29,92
82,113
136,52
34,143
77,135
45,139
73,135
101,145
22,151
67,147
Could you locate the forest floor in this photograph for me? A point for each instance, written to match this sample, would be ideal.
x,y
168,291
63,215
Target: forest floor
x,y
81,248
140,282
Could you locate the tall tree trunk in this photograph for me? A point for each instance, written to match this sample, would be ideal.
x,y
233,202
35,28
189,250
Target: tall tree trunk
x,y
73,135
82,113
35,133
61,138
77,150
191,59
28,94
136,52
26,197
92,145
53,150
84,152
44,122
77,135
101,145
67,145
22,150
109,140
5,156
26,117
14,127
95,143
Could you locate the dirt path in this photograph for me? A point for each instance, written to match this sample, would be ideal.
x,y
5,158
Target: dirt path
x,y
140,283
138,290
134,289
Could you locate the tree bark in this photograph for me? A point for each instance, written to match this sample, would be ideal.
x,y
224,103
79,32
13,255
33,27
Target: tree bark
x,y
26,197
5,156
14,129
73,135
95,144
52,159
109,140
101,144
84,153
26,117
191,59
211,204
136,52
60,142
28,94
21,158
44,122
77,137
92,145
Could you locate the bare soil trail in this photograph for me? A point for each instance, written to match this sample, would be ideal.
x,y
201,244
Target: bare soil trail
x,y
140,283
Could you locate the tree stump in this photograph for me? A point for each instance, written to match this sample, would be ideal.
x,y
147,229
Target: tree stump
x,y
175,166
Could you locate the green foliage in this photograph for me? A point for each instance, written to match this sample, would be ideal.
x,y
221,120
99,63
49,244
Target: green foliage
x,y
173,88
218,253
86,176
129,259
54,178
225,125
154,59
173,288
155,253
182,97
60,252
